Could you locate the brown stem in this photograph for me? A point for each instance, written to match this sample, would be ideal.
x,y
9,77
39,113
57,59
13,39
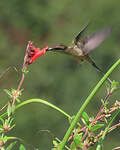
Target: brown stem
x,y
85,144
86,132
20,84
116,125
81,130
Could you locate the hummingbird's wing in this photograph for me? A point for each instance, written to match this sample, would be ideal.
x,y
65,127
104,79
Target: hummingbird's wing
x,y
79,36
94,40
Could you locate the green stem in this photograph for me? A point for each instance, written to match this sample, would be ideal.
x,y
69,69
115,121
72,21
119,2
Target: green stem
x,y
16,138
74,122
43,102
40,101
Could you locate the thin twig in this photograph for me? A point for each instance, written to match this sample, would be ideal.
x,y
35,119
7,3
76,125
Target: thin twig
x,y
3,107
86,132
20,84
6,70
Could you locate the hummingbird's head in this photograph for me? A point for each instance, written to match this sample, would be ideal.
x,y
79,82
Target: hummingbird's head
x,y
57,47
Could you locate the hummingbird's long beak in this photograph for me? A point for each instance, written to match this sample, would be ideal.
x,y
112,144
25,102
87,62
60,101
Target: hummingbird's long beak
x,y
49,49
57,48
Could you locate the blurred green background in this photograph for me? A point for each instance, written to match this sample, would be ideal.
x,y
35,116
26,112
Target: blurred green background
x,y
55,77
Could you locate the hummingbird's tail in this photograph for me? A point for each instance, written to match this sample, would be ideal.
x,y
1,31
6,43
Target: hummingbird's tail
x,y
91,61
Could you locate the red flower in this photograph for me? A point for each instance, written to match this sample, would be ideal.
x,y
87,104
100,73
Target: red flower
x,y
32,53
37,53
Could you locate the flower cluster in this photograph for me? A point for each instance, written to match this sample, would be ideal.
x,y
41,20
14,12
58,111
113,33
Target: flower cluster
x,y
32,53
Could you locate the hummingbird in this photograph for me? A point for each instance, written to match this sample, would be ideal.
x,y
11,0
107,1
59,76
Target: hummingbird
x,y
81,46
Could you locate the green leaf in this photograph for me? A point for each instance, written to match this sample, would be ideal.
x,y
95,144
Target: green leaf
x,y
17,100
102,101
1,127
54,148
9,109
5,138
3,122
114,84
55,143
22,147
86,118
11,145
73,146
96,127
8,92
19,92
6,121
12,126
10,122
13,91
77,139
1,131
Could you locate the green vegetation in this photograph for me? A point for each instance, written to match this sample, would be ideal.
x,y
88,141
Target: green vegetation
x,y
55,77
